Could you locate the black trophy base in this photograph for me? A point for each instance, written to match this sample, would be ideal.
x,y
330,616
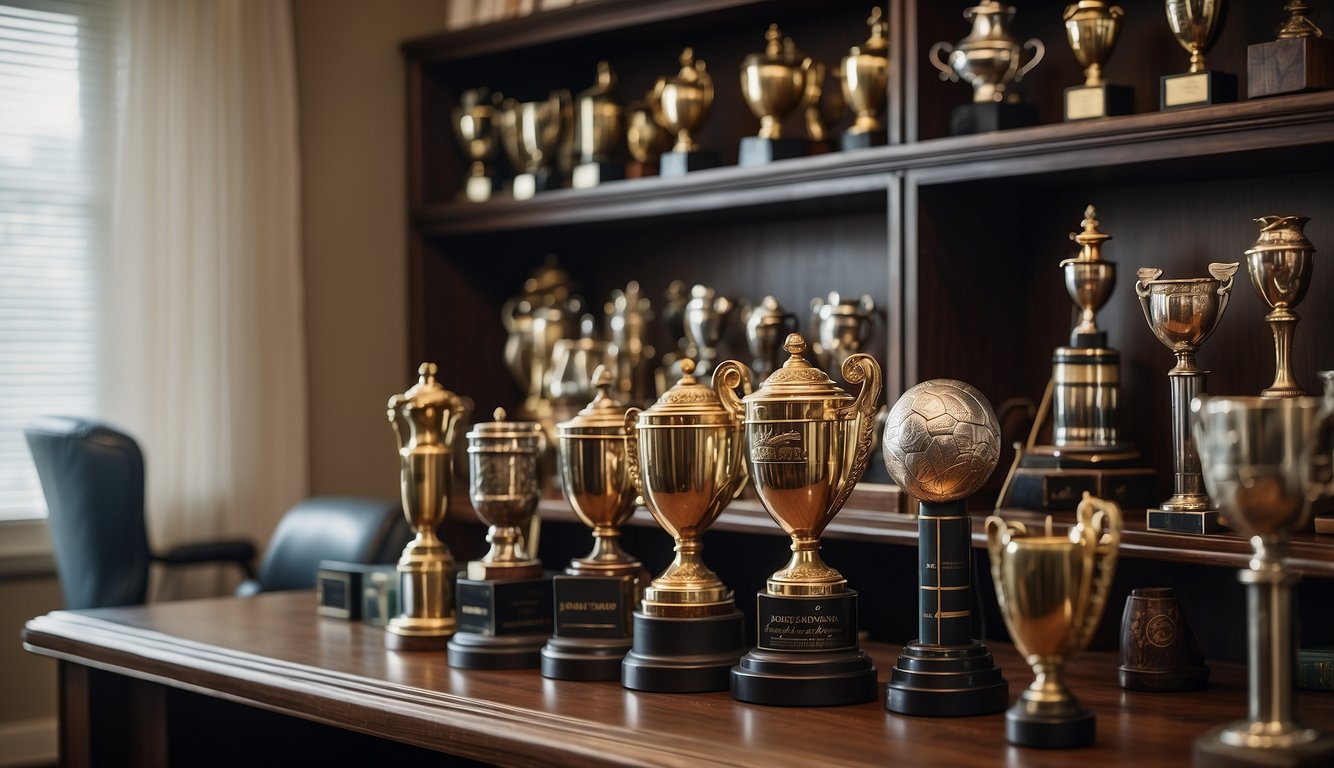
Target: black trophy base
x,y
479,189
526,185
675,163
991,116
1197,90
797,679
469,650
592,627
584,658
688,655
589,175
1211,752
1068,732
1089,102
755,150
946,681
863,140
1296,65
1174,521
1059,489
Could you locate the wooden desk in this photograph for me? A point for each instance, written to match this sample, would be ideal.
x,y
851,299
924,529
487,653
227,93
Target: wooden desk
x,y
212,681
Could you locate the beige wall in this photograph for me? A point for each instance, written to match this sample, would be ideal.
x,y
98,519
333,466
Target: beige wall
x,y
353,186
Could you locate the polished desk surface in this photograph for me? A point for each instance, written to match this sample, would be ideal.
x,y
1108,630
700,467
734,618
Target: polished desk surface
x,y
274,652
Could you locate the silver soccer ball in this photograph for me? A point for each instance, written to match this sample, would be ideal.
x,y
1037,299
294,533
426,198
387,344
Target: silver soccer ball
x,y
941,440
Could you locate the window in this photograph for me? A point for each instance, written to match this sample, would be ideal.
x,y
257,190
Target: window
x,y
56,68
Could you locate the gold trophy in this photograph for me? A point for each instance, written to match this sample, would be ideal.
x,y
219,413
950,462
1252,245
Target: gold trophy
x,y
646,140
599,130
687,459
1091,27
1280,268
504,600
774,83
1266,461
629,315
475,125
532,133
1196,24
1182,314
423,419
597,593
1301,59
824,108
809,442
681,104
989,59
1052,591
864,77
941,443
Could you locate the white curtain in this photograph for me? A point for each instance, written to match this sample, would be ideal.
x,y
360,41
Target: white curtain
x,y
203,345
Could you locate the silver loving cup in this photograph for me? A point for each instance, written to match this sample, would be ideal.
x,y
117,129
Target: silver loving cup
x,y
989,58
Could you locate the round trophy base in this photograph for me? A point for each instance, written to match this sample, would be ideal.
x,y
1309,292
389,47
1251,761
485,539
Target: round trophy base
x,y
1165,681
1212,752
396,642
788,679
686,655
584,658
1066,732
469,650
946,681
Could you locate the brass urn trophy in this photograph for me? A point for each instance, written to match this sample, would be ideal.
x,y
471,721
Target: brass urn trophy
x,y
1301,59
841,328
989,59
596,595
767,327
423,419
504,598
646,140
707,317
1280,266
1266,461
864,78
681,104
1091,27
1196,24
476,125
687,459
773,84
629,315
1182,314
532,133
941,443
599,131
808,443
1052,592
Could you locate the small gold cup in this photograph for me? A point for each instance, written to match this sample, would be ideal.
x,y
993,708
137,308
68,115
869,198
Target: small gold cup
x,y
1091,27
1280,265
681,103
774,83
864,77
475,125
1195,24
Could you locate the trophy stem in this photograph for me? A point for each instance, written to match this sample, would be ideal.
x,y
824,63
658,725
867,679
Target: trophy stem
x,y
1187,382
507,559
1283,322
607,557
1269,671
806,574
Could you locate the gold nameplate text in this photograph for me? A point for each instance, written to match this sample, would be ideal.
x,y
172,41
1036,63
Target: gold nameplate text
x,y
1186,89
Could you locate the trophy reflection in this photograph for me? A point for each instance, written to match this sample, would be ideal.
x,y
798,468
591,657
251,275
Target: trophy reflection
x,y
1052,591
1091,27
864,78
1182,314
773,84
681,104
424,418
1196,24
989,59
1266,461
599,129
476,126
687,458
809,443
1280,268
1301,59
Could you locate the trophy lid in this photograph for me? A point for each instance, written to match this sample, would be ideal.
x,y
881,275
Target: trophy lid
x,y
692,69
502,428
797,379
878,43
689,397
604,412
776,50
1090,240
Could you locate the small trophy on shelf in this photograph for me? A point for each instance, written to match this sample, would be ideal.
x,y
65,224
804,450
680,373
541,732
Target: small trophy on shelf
x,y
1091,27
1280,268
599,129
767,327
1196,24
476,126
532,133
773,84
864,78
1301,59
989,59
646,139
681,104
841,327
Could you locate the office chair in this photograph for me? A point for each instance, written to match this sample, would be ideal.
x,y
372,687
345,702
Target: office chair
x,y
92,476
349,529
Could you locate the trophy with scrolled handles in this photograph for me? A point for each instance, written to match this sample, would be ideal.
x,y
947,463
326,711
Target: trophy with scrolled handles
x,y
423,419
808,443
941,444
532,133
773,84
1280,265
1196,24
599,132
1266,461
1300,60
475,125
1091,27
687,458
990,60
504,598
1052,592
864,78
1183,313
681,104
841,327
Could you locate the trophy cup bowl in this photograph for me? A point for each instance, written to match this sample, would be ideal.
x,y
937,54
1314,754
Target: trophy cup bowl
x,y
1091,27
988,59
1182,313
681,102
475,126
505,482
1195,24
1090,285
773,83
1280,265
1052,591
864,76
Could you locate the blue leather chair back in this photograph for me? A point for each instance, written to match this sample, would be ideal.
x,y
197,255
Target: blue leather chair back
x,y
93,478
350,529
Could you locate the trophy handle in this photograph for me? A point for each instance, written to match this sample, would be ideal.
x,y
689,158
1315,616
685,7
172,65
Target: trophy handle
x,y
1039,50
654,99
728,376
632,449
507,312
1099,528
863,368
999,533
946,72
1146,275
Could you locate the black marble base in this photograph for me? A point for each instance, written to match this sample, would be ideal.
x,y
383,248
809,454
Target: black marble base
x,y
759,151
1089,102
1206,521
521,607
690,655
992,116
946,681
592,627
589,175
1059,489
804,679
1197,90
584,658
1027,730
863,140
469,650
675,163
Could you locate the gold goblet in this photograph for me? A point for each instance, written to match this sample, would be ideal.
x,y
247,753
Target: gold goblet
x,y
681,104
1091,28
864,78
773,83
1280,268
1196,24
599,131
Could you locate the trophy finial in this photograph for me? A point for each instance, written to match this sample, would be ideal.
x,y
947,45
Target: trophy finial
x,y
498,414
795,345
687,369
602,380
773,41
427,371
1298,24
1090,239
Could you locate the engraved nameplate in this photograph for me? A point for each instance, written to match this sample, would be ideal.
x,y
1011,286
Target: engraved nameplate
x,y
1085,103
593,606
1184,90
812,624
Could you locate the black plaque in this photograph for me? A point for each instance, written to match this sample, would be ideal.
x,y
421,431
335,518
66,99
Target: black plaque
x,y
339,586
1197,89
806,623
675,163
593,606
1205,521
991,116
760,151
497,608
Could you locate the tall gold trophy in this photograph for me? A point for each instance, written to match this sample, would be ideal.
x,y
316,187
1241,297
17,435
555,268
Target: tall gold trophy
x,y
941,444
595,596
864,78
773,84
1052,591
681,104
687,458
1196,24
423,419
475,122
1301,59
1091,27
599,132
808,445
1280,267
